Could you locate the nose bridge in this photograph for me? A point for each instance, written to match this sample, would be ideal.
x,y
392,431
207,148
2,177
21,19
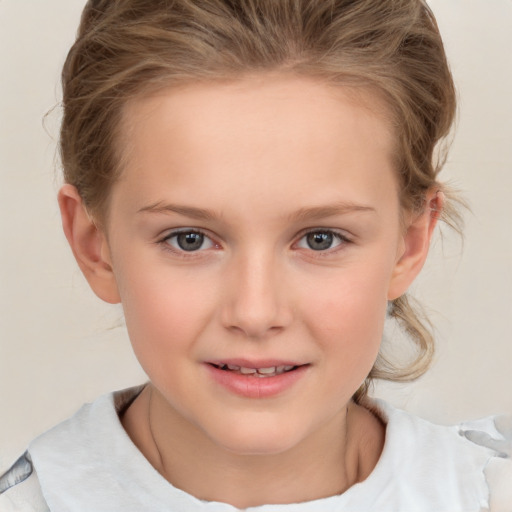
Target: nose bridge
x,y
256,302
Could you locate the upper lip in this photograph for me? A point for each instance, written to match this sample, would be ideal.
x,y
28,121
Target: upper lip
x,y
255,363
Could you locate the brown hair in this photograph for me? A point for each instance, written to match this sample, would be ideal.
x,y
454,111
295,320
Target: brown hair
x,y
125,48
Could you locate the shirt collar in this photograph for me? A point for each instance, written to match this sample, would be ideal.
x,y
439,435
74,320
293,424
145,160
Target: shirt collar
x,y
88,462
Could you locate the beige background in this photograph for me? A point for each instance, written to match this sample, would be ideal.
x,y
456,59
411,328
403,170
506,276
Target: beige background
x,y
59,346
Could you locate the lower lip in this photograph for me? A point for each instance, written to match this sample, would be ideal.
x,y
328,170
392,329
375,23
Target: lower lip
x,y
256,387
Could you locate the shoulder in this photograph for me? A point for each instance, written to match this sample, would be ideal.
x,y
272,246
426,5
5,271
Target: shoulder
x,y
468,464
495,434
43,475
20,490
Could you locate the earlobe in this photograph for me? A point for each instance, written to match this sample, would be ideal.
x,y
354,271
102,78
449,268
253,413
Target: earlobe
x,y
89,245
416,243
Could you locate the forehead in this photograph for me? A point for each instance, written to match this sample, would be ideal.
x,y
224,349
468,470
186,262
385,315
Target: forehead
x,y
266,128
260,100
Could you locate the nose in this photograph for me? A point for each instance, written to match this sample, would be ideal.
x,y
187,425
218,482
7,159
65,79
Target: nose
x,y
256,297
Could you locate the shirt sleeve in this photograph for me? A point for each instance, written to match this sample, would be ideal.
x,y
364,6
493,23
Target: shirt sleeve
x,y
495,434
20,490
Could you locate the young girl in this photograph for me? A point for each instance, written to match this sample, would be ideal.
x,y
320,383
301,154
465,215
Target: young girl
x,y
256,183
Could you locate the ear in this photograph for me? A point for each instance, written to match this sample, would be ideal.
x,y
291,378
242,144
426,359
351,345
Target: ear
x,y
416,243
89,245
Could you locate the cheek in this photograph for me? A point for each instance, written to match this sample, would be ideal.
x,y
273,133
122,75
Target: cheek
x,y
164,314
347,313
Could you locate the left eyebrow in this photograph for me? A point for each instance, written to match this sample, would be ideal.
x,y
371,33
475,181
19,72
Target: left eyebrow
x,y
320,212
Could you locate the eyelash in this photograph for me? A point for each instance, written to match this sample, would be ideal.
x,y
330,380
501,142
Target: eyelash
x,y
342,240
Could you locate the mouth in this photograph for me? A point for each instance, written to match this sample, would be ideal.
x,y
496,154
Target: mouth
x,y
270,371
257,379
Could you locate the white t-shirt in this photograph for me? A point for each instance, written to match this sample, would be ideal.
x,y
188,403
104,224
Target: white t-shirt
x,y
88,463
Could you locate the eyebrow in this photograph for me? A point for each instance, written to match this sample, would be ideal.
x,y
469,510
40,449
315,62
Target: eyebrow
x,y
301,215
320,212
187,211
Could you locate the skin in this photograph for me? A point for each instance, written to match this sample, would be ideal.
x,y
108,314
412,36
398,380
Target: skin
x,y
254,165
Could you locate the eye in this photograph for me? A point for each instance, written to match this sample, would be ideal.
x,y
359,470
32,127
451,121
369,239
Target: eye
x,y
188,241
321,240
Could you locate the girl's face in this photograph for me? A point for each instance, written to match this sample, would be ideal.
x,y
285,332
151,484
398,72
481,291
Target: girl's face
x,y
256,228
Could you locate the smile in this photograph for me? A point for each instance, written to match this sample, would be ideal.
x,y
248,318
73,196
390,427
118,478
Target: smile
x,y
251,379
271,371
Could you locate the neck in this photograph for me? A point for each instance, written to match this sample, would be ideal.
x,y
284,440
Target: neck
x,y
325,464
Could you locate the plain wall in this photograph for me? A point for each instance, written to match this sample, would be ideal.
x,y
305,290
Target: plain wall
x,y
60,346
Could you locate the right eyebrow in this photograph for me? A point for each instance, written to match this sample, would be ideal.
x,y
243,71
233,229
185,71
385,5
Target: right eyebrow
x,y
186,211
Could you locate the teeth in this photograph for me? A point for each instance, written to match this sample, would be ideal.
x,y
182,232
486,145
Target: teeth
x,y
258,372
247,371
267,371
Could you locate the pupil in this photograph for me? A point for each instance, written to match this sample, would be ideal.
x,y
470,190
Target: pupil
x,y
190,241
320,241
